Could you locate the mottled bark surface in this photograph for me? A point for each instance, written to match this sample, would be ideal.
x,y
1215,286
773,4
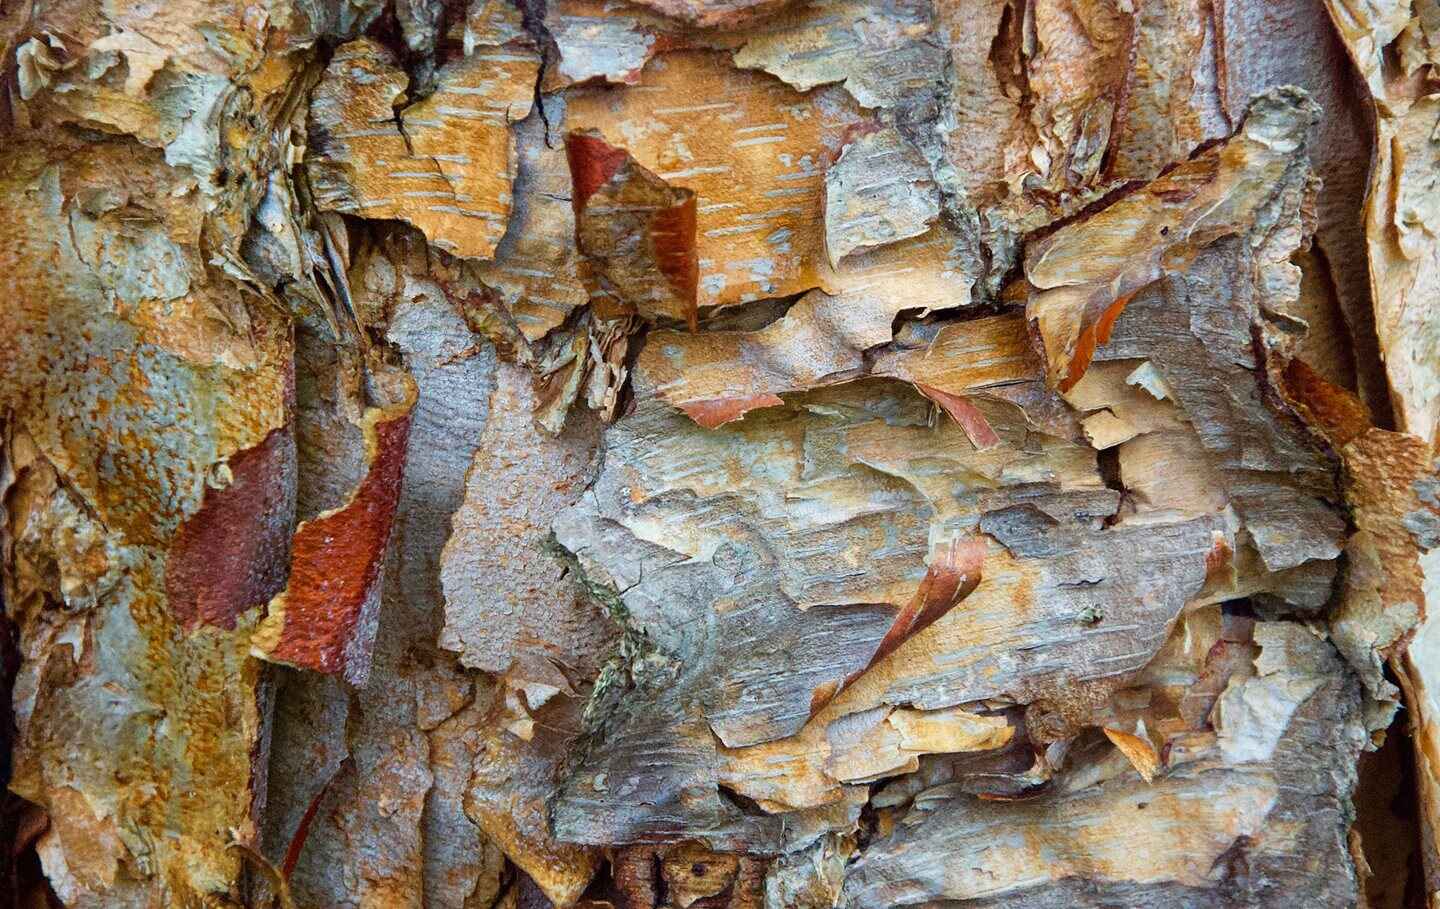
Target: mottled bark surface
x,y
765,454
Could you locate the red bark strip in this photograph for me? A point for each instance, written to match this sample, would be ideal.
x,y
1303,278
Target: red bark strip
x,y
324,620
1093,334
954,573
719,411
232,554
977,428
302,830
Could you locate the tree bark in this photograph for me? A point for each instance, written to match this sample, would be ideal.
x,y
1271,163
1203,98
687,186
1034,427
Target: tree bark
x,y
720,453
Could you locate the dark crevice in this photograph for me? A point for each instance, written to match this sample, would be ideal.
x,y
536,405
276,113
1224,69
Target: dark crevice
x,y
752,316
532,13
1108,461
22,880
1387,819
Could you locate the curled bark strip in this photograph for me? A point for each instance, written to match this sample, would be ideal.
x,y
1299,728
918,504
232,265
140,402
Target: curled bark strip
x,y
637,230
231,554
1334,411
1137,750
302,831
954,572
325,618
1095,333
977,428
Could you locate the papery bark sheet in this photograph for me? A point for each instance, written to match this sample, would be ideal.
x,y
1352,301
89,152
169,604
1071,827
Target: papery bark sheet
x,y
795,454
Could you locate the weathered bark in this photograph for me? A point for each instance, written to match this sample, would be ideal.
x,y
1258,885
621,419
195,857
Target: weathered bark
x,y
720,453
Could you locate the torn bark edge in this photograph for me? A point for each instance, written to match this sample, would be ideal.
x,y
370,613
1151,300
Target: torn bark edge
x,y
716,412
968,416
1342,417
712,413
325,618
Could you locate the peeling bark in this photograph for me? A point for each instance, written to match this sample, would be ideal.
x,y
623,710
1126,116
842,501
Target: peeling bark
x,y
794,454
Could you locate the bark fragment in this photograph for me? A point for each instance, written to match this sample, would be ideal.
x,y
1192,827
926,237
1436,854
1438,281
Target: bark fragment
x,y
637,231
445,163
1278,476
862,213
537,268
1086,842
326,617
755,192
972,504
392,829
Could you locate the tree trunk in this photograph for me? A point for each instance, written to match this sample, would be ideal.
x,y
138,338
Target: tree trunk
x,y
720,453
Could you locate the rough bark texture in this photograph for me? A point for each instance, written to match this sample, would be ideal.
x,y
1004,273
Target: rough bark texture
x,y
765,454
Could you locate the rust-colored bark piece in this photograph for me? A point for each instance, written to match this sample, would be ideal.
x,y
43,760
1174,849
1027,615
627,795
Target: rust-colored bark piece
x,y
230,556
1083,275
955,571
637,230
325,618
394,826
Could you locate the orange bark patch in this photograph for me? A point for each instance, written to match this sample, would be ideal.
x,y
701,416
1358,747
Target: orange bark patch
x,y
720,411
1337,412
1137,750
1092,337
